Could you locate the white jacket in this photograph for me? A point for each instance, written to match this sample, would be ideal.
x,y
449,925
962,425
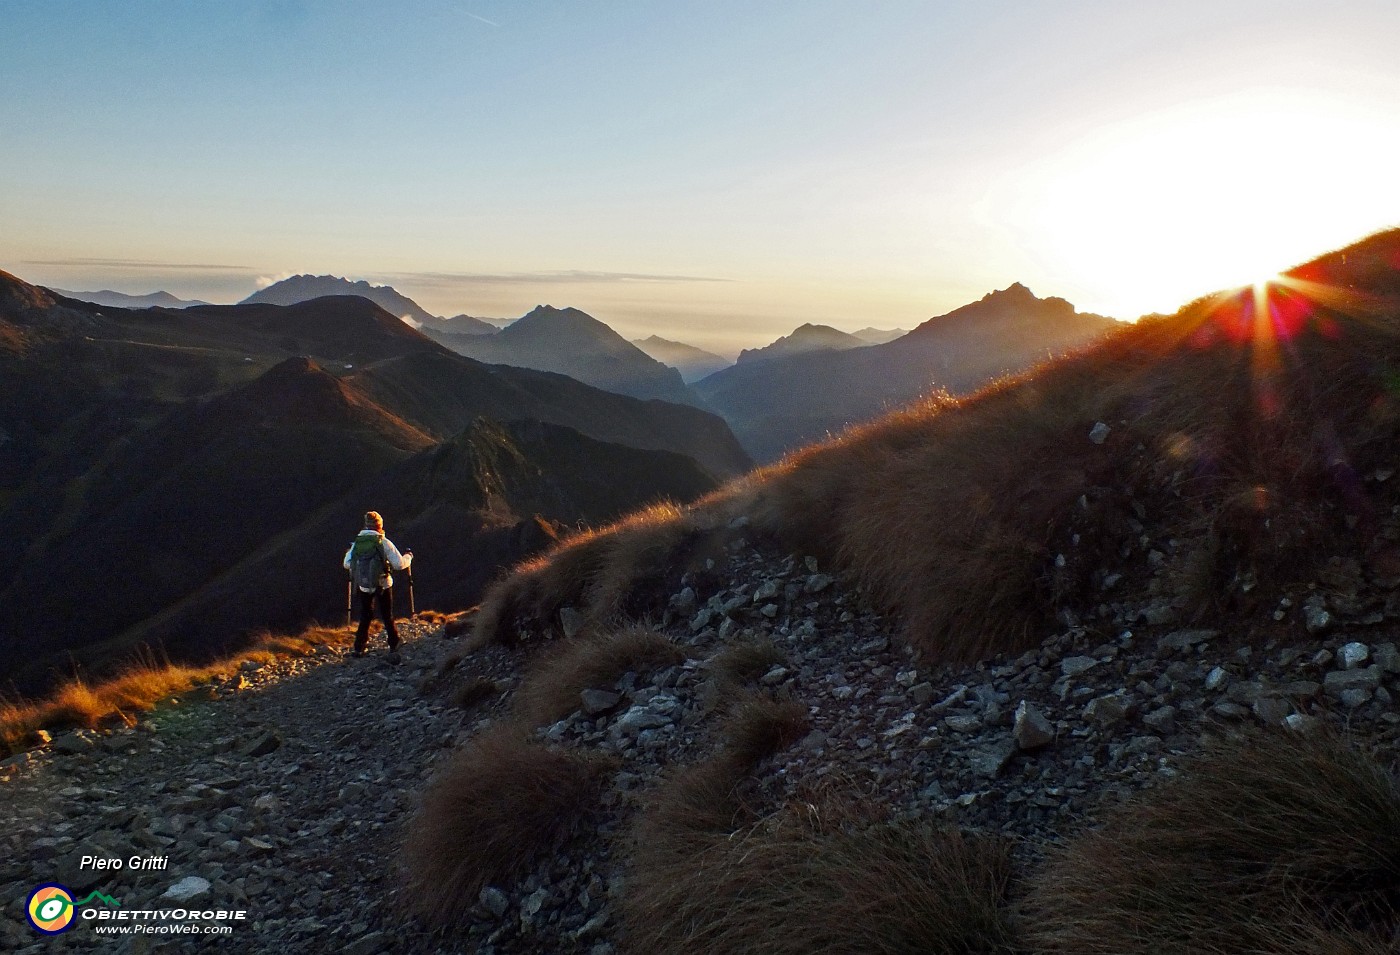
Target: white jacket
x,y
392,556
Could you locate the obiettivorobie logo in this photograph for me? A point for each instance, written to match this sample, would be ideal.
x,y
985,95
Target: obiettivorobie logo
x,y
51,908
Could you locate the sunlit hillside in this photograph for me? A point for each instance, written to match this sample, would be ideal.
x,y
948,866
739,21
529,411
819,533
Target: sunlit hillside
x,y
1252,432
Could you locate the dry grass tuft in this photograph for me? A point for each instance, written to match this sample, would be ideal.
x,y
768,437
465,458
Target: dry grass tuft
x,y
1266,840
475,691
742,663
499,804
149,679
593,571
759,727
551,690
803,881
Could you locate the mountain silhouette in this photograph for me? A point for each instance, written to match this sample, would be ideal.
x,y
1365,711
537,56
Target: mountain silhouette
x,y
574,343
460,325
805,338
693,363
300,288
784,402
123,300
878,336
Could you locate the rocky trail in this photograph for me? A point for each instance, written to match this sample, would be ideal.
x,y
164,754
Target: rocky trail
x,y
287,792
281,792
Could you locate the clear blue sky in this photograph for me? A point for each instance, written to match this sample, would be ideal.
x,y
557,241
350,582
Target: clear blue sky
x,y
714,171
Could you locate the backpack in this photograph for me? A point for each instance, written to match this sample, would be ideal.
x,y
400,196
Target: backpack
x,y
367,565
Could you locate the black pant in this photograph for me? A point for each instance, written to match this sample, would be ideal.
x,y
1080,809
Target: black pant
x,y
385,598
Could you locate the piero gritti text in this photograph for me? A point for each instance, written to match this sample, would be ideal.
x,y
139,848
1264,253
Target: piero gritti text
x,y
136,863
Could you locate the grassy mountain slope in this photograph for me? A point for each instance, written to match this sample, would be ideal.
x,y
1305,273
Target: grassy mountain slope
x,y
1244,445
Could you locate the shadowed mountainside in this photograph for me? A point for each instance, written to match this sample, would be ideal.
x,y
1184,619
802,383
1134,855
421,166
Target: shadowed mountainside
x,y
693,363
123,300
777,405
175,441
804,339
570,342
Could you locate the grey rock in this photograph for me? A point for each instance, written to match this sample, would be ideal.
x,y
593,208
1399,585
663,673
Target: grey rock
x,y
990,760
1107,710
596,702
1302,723
1387,657
963,723
1098,434
1229,711
370,944
1353,654
1161,720
262,744
921,692
639,718
774,676
1179,641
72,743
1338,682
701,619
1316,617
571,621
1031,730
1352,698
818,582
191,886
1074,666
1217,679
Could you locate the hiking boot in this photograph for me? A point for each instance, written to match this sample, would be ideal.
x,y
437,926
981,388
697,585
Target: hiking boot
x,y
357,654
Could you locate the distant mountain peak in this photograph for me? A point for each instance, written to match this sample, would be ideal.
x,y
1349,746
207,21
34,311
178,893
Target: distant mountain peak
x,y
302,288
804,338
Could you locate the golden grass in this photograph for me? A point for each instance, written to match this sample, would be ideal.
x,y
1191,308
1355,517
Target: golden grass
x,y
758,727
592,571
807,879
148,680
951,513
550,691
1265,840
500,803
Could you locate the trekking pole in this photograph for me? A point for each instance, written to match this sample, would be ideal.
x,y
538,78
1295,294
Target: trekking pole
x,y
349,586
412,613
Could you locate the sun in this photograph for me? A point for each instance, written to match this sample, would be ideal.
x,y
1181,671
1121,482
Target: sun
x,y
1147,214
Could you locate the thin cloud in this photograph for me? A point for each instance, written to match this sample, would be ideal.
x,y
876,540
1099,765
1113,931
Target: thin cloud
x,y
475,16
564,277
137,264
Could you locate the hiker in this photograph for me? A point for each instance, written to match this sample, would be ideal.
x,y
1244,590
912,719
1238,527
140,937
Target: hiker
x,y
370,559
